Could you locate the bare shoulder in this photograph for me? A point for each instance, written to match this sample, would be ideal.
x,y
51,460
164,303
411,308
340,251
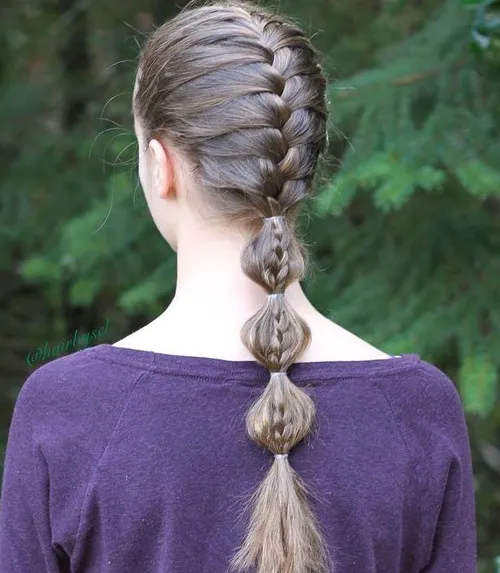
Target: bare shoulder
x,y
330,341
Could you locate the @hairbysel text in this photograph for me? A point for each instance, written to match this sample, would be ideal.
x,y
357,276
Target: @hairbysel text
x,y
77,341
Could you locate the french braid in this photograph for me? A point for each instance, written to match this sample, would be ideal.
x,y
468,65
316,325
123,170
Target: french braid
x,y
240,91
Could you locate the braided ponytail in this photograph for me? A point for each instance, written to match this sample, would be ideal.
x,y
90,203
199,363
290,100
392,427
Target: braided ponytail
x,y
283,535
253,138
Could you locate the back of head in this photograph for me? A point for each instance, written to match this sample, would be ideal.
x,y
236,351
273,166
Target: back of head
x,y
240,92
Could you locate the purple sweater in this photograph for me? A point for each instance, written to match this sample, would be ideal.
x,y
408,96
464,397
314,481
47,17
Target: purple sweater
x,y
128,461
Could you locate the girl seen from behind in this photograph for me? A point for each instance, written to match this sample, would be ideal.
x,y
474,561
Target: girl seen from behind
x,y
241,430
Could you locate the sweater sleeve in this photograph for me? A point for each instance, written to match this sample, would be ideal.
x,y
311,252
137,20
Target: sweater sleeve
x,y
429,412
25,532
62,422
454,544
454,533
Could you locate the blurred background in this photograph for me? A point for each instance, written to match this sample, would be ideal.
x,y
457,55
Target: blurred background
x,y
405,237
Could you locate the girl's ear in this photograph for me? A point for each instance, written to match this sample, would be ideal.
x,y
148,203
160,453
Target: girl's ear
x,y
162,169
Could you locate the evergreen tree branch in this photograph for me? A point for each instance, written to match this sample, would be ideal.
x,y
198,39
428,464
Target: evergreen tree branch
x,y
411,78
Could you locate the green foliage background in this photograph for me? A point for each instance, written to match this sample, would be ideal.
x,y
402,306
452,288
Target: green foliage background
x,y
406,234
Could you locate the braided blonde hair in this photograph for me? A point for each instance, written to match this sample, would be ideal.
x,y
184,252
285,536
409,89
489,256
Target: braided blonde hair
x,y
240,91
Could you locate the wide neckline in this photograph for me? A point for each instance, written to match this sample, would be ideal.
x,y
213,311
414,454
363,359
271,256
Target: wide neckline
x,y
209,367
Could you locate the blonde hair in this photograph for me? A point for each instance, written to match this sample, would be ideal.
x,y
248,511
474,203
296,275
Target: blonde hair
x,y
241,92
